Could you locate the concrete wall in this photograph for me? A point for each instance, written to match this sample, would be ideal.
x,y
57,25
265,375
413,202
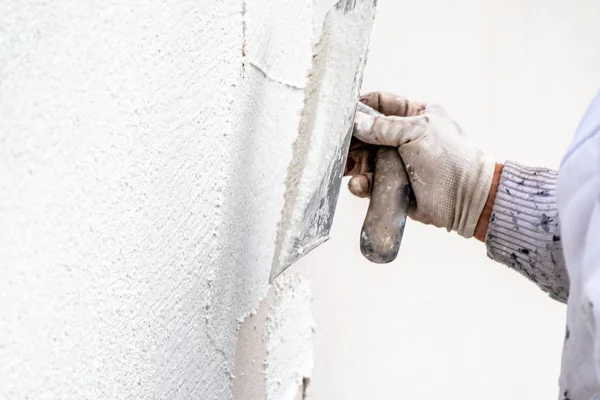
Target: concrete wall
x,y
143,151
443,321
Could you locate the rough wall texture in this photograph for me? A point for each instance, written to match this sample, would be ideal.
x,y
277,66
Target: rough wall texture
x,y
274,352
143,148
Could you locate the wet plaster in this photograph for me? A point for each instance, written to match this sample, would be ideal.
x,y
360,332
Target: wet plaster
x,y
142,164
274,356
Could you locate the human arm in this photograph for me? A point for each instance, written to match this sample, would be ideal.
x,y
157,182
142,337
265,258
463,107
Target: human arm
x,y
457,187
520,227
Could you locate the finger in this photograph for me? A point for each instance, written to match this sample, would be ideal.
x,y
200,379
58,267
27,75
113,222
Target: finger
x,y
360,185
357,144
360,160
389,104
388,131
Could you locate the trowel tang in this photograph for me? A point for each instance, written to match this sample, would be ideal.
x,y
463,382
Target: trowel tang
x,y
383,228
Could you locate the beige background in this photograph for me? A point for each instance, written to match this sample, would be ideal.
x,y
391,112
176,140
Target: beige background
x,y
443,321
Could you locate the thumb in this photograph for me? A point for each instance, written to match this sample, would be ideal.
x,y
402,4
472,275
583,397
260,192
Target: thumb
x,y
360,185
388,130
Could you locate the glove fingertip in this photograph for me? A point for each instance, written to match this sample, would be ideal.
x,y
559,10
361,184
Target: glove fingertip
x,y
363,127
360,186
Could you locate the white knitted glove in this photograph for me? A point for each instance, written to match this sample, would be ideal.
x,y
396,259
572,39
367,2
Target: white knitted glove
x,y
450,176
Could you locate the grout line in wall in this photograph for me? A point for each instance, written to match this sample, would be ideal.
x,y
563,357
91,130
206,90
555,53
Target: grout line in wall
x,y
289,85
243,38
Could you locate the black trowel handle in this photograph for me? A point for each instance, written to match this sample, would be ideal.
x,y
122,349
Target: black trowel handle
x,y
383,228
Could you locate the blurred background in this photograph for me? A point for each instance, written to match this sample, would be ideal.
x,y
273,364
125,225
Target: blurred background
x,y
443,321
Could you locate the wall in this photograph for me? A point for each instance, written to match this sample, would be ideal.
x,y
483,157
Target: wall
x,y
443,321
143,147
143,151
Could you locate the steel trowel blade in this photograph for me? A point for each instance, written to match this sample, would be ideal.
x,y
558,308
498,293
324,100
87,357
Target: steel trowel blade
x,y
319,154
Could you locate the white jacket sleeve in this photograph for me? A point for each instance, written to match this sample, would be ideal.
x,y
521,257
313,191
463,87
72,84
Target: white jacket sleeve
x,y
579,206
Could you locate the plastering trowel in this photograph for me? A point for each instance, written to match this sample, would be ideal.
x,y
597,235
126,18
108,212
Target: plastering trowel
x,y
319,154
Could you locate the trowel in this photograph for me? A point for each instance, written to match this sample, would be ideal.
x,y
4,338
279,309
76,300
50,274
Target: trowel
x,y
382,231
319,154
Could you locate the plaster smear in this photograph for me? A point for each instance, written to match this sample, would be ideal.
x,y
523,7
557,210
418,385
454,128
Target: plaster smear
x,y
275,349
268,107
290,345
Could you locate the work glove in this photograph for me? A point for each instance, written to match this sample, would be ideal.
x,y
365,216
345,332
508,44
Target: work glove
x,y
449,175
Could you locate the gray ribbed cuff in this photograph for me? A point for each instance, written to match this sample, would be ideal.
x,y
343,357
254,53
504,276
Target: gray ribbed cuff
x,y
524,233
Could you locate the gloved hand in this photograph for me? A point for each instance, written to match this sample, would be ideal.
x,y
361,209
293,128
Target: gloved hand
x,y
450,176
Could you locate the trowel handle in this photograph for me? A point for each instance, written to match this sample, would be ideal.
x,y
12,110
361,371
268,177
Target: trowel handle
x,y
383,228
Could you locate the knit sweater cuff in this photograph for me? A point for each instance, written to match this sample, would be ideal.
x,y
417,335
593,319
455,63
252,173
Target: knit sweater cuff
x,y
524,232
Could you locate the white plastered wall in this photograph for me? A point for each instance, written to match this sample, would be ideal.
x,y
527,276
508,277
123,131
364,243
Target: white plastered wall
x,y
143,152
443,322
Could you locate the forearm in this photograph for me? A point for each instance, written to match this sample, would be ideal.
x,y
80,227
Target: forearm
x,y
520,226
